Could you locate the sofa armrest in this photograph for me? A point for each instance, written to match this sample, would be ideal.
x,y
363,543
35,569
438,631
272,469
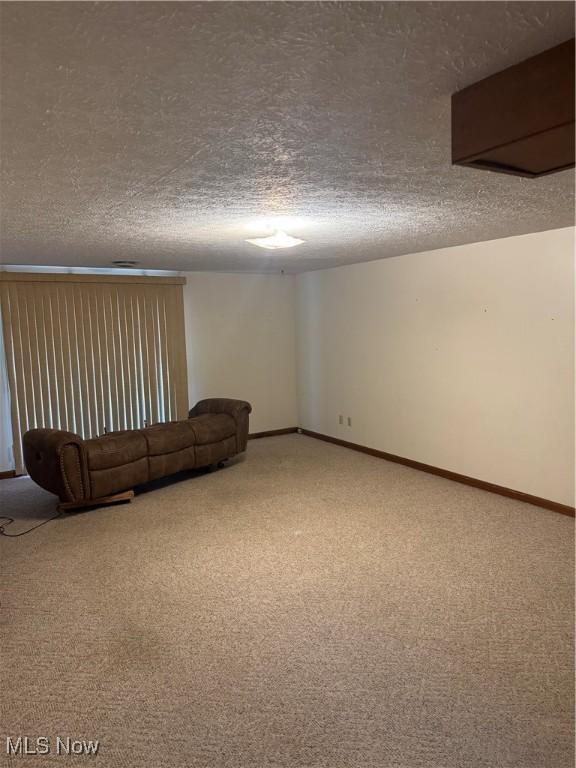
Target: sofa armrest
x,y
56,460
238,409
233,408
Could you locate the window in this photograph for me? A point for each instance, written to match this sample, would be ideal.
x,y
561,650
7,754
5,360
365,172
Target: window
x,y
92,353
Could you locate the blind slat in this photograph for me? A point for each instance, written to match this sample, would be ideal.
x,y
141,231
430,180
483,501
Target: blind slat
x,y
168,399
107,409
27,362
153,368
72,328
98,399
9,331
133,372
39,361
114,372
144,359
65,381
93,374
49,344
119,333
84,374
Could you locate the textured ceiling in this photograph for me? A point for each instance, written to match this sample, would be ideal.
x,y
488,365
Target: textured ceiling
x,y
161,131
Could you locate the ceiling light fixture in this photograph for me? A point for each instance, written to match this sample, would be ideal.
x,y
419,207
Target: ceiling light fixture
x,y
278,240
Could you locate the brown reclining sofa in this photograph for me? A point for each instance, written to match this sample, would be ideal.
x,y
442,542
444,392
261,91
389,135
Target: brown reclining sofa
x,y
105,469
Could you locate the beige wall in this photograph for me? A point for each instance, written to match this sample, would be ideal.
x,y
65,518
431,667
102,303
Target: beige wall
x,y
240,342
462,358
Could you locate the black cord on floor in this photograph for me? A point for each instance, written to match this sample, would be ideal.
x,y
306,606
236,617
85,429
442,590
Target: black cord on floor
x,y
23,533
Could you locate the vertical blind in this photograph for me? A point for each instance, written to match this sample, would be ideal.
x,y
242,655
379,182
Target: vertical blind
x,y
92,354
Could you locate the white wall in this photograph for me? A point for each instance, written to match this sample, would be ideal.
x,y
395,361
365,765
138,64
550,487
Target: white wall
x,y
462,358
240,342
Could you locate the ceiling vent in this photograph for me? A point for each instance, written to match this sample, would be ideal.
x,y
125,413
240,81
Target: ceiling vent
x,y
125,263
521,120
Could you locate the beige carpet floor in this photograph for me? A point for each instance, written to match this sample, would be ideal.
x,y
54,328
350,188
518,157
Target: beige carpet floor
x,y
308,606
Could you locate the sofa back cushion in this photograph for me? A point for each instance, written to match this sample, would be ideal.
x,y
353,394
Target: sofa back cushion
x,y
168,437
115,449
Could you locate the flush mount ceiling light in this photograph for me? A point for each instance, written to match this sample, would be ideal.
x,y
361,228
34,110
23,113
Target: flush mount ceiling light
x,y
278,240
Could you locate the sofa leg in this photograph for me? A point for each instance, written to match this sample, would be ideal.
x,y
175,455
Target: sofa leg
x,y
217,465
66,506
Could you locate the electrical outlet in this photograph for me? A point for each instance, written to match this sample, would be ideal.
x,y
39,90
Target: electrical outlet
x,y
341,419
349,421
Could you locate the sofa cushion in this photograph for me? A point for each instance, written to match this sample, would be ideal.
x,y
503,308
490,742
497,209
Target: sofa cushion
x,y
168,463
115,449
105,482
212,427
168,437
214,452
